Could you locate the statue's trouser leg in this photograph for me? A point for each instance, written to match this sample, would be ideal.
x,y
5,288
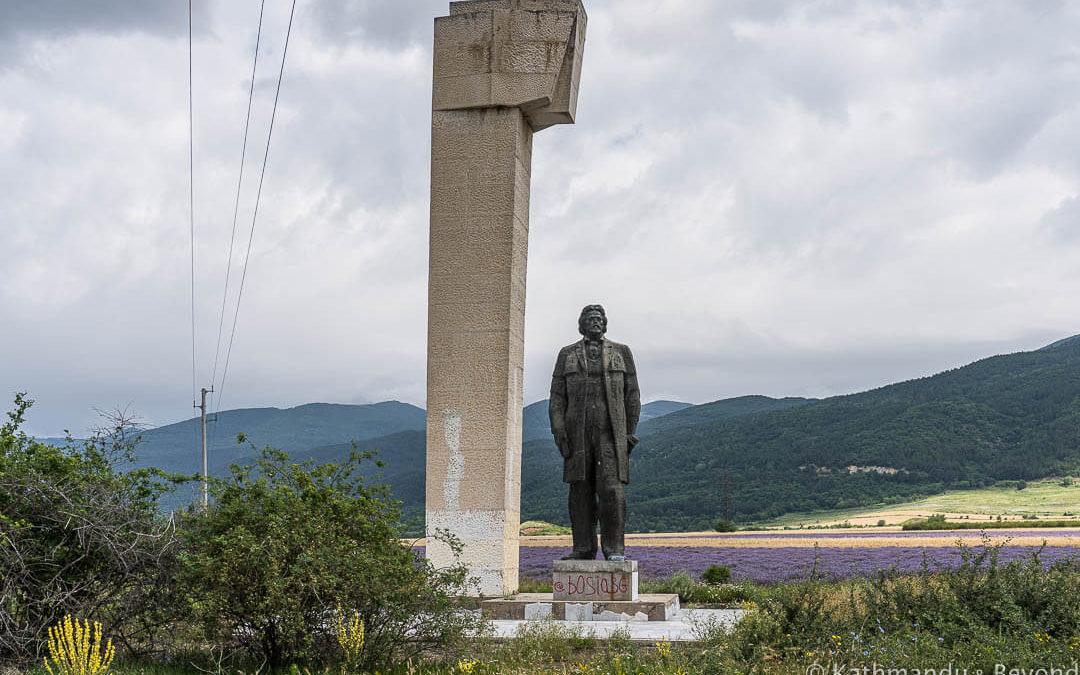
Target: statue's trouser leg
x,y
609,491
583,512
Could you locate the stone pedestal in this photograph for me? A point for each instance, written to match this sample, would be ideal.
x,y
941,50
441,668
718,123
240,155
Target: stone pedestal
x,y
540,606
503,69
595,580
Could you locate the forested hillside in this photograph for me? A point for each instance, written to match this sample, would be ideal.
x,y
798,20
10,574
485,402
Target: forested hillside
x,y
1006,417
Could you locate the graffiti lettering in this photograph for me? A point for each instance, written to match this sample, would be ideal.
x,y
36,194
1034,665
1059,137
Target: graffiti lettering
x,y
589,585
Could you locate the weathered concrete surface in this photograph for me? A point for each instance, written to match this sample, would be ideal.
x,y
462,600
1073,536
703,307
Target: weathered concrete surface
x,y
647,607
503,69
689,625
511,53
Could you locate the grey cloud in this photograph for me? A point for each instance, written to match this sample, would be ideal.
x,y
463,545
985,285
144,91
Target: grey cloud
x,y
1062,223
54,18
24,21
1003,72
989,132
394,24
995,37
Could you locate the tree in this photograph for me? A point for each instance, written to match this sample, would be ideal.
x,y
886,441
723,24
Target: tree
x,y
77,536
282,545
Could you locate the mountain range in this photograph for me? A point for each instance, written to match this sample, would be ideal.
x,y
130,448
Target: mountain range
x,y
1007,417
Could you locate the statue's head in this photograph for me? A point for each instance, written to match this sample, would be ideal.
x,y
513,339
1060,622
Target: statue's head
x,y
592,323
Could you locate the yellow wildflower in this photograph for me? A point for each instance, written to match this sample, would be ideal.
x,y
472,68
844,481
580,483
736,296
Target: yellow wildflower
x,y
350,635
75,650
664,647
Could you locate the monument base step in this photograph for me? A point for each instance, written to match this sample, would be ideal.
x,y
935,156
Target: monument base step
x,y
528,606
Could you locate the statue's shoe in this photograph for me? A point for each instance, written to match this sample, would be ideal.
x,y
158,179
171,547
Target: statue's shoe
x,y
579,556
616,558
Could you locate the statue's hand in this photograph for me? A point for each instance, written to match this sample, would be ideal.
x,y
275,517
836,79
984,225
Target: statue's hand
x,y
563,444
631,442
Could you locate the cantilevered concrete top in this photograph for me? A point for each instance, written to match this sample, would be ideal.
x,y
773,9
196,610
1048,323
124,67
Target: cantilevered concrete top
x,y
466,6
511,53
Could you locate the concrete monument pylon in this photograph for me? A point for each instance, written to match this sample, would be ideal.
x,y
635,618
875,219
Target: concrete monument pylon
x,y
503,69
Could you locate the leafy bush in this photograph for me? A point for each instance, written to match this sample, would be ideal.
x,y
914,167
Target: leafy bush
x,y
798,609
78,537
541,640
283,543
724,526
716,574
980,596
692,591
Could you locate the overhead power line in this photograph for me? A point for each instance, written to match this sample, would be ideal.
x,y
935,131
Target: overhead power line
x,y
255,212
191,196
239,183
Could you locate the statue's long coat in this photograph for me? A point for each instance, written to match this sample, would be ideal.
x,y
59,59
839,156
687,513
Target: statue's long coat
x,y
567,405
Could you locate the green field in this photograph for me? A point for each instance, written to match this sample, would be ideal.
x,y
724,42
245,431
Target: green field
x,y
1044,499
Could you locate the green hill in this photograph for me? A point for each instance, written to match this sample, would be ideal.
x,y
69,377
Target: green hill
x,y
176,447
717,410
1006,417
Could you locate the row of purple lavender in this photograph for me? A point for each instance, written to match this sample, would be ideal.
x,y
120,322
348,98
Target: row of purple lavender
x,y
781,563
841,534
771,564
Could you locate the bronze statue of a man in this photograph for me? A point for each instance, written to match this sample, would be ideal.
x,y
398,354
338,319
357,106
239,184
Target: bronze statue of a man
x,y
594,410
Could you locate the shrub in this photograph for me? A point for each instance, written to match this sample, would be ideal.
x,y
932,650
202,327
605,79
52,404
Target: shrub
x,y
981,596
690,590
78,537
724,526
799,608
282,543
543,640
716,574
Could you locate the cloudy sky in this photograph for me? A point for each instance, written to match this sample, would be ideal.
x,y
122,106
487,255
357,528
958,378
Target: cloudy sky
x,y
782,198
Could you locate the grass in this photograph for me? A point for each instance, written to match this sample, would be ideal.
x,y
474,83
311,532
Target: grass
x,y
933,523
1044,499
535,528
982,616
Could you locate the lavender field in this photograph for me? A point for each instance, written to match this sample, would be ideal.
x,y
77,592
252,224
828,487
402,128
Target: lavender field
x,y
780,563
770,557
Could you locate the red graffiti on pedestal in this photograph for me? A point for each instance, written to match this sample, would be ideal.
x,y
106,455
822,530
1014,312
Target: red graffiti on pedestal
x,y
583,584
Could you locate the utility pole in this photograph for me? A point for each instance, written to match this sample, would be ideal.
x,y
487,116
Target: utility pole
x,y
726,499
202,409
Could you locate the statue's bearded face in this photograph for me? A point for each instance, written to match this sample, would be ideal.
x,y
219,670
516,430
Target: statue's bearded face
x,y
593,325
